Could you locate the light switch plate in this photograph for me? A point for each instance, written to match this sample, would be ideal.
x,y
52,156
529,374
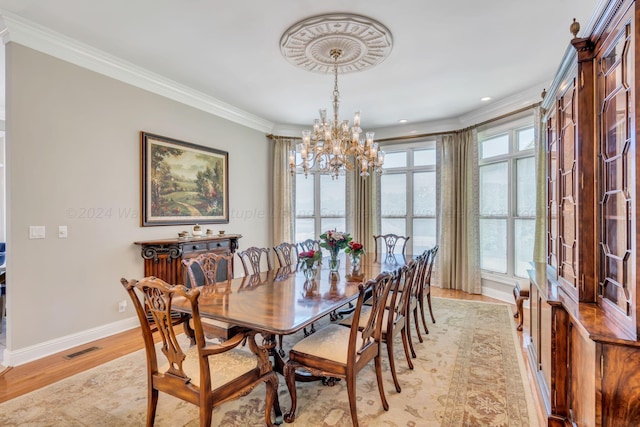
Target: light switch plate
x,y
62,232
36,232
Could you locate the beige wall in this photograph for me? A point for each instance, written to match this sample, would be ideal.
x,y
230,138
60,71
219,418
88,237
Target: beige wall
x,y
72,148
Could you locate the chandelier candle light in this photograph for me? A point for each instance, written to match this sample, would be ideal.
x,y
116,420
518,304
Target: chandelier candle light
x,y
332,144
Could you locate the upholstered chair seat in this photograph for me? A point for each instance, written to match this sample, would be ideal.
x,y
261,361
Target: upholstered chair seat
x,y
228,366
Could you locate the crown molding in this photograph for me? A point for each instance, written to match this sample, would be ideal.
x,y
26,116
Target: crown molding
x,y
19,30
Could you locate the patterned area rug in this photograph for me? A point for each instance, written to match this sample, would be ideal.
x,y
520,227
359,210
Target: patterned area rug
x,y
469,372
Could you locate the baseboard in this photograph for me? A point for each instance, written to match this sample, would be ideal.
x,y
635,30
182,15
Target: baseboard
x,y
497,294
47,348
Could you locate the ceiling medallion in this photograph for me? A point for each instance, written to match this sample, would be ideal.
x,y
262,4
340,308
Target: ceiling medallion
x,y
364,43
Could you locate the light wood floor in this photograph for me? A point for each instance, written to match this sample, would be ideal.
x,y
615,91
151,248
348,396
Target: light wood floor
x,y
34,375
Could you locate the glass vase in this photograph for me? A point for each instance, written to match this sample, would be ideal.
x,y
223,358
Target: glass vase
x,y
309,271
355,260
334,263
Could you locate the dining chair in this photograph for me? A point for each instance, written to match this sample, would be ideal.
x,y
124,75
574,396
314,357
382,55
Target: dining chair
x,y
425,288
287,254
388,243
338,352
394,319
205,374
202,270
309,244
254,258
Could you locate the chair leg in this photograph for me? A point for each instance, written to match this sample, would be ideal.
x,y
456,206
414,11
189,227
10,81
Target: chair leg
x,y
206,414
378,362
290,379
415,317
152,404
392,363
424,321
405,344
408,327
272,402
433,319
351,392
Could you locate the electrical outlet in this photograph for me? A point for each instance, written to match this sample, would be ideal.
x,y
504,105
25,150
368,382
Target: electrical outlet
x,y
122,306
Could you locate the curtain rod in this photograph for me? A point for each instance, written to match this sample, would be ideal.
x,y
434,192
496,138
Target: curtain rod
x,y
426,135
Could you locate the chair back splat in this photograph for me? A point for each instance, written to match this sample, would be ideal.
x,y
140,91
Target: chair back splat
x,y
206,374
254,258
287,254
388,244
309,245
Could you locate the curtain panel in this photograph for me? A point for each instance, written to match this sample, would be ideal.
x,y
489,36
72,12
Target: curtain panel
x,y
364,218
282,215
458,261
540,242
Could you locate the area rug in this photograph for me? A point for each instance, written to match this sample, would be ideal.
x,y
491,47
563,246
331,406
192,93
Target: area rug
x,y
469,371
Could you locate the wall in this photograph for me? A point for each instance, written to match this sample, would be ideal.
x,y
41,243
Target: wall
x,y
73,158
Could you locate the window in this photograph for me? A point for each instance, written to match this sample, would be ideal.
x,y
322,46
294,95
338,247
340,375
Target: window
x,y
507,197
408,196
320,204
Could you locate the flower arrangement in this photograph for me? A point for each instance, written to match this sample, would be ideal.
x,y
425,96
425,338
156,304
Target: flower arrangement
x,y
309,258
355,249
334,241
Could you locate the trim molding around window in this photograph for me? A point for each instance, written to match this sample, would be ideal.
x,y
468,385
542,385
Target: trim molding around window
x,y
408,196
507,197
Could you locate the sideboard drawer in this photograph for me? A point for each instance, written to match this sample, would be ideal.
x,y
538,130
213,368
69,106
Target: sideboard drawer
x,y
195,247
222,245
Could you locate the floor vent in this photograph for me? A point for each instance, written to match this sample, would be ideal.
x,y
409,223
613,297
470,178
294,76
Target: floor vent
x,y
81,352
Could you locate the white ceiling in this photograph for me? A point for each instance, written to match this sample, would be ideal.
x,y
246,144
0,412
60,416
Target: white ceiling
x,y
446,54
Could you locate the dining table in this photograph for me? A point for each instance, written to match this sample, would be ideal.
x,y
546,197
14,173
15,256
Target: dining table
x,y
282,301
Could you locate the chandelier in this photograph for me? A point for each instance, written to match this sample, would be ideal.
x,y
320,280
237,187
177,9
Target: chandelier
x,y
334,42
335,147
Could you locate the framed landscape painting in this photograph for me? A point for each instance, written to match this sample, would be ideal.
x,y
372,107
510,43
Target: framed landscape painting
x,y
183,183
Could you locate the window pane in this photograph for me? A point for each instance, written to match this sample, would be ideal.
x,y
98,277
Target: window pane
x,y
424,157
493,245
524,236
424,235
494,189
495,146
393,194
525,139
526,183
304,195
393,225
424,194
338,224
395,160
304,229
332,195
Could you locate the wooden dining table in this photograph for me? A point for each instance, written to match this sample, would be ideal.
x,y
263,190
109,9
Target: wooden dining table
x,y
282,302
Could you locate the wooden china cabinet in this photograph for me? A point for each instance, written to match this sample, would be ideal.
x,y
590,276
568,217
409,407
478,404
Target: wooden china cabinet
x,y
584,323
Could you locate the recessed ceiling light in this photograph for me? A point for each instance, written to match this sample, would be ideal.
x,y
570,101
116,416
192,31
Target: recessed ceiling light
x,y
403,121
486,98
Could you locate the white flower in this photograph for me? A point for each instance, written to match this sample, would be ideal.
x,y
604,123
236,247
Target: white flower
x,y
337,235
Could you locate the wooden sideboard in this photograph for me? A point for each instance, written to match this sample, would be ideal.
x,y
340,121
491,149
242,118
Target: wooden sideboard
x,y
163,258
585,300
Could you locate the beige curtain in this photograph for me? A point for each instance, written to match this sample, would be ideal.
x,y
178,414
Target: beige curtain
x,y
364,210
540,243
458,259
282,192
